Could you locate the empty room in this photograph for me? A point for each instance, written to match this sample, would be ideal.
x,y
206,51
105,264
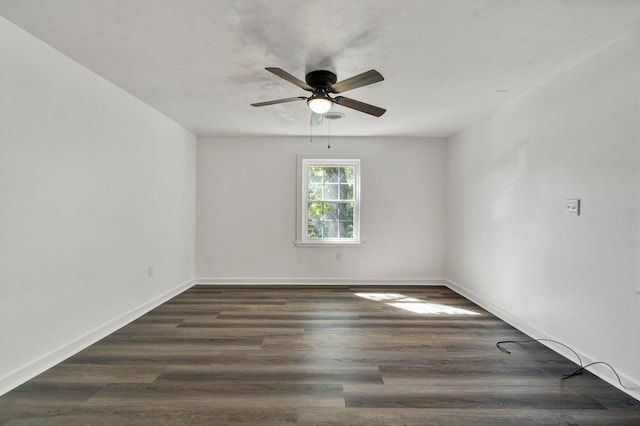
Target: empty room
x,y
340,212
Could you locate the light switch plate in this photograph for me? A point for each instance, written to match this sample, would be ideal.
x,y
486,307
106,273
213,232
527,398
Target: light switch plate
x,y
572,207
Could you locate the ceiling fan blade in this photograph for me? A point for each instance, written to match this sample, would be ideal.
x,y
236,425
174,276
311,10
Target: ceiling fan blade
x,y
359,106
291,79
368,77
278,101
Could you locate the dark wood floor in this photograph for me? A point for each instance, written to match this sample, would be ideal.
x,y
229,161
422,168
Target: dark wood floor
x,y
322,355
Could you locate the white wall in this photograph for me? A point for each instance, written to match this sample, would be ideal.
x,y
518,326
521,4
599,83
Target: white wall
x,y
94,187
509,244
247,204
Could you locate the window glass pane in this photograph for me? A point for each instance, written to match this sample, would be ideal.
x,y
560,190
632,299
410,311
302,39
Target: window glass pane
x,y
346,191
315,174
332,211
331,230
330,191
331,174
346,229
316,211
315,191
314,229
346,212
347,175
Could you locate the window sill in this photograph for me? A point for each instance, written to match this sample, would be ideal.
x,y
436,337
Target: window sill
x,y
329,244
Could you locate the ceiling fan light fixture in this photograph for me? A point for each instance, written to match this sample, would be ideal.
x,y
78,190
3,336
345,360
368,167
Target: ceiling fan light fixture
x,y
320,103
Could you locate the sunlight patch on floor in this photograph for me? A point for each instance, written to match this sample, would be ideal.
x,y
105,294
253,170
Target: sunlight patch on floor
x,y
412,304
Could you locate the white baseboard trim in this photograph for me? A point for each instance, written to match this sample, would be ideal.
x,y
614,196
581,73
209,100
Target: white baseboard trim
x,y
632,388
506,316
32,369
317,281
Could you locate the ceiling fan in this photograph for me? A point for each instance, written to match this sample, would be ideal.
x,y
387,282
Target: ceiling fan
x,y
321,83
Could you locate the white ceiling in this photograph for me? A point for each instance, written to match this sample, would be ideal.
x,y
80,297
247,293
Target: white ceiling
x,y
445,62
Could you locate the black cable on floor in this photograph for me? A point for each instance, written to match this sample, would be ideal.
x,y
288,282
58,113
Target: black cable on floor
x,y
564,376
538,340
581,369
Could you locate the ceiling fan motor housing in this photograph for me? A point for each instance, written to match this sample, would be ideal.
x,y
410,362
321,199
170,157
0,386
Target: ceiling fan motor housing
x,y
321,79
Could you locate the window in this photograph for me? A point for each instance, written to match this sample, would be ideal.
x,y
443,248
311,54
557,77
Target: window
x,y
330,201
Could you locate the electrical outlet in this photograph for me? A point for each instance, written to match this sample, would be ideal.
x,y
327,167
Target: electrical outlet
x,y
150,270
339,256
572,207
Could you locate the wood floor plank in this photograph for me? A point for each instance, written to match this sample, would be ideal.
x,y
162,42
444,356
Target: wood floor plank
x,y
433,417
468,397
59,393
142,355
170,396
117,414
100,374
315,355
215,374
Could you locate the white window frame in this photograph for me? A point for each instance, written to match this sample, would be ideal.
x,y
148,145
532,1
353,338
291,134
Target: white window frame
x,y
303,196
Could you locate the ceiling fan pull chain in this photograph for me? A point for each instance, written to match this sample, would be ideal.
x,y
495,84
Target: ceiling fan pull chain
x,y
329,134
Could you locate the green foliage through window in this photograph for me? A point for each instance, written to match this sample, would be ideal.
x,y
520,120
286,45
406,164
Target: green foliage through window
x,y
330,202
